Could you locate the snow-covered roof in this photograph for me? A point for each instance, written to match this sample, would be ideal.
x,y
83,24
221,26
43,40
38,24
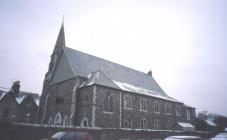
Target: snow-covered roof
x,y
99,78
210,121
186,125
187,106
2,95
140,90
3,92
21,96
84,64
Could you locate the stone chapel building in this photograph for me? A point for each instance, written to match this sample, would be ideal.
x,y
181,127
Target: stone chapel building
x,y
83,90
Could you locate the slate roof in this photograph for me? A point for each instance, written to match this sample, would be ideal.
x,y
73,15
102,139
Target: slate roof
x,y
187,106
103,72
113,74
99,78
22,95
2,93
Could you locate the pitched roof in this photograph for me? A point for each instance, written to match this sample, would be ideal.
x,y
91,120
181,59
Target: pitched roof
x,y
113,74
22,95
103,72
99,78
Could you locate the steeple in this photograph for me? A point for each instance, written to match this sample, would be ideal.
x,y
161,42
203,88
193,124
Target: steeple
x,y
60,43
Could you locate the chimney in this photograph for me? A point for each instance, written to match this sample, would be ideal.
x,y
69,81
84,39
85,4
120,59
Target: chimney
x,y
149,73
16,87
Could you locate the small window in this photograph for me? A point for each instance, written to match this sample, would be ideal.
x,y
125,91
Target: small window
x,y
59,100
50,121
84,122
156,124
128,123
178,110
188,114
143,124
156,107
128,102
167,109
6,112
108,104
168,125
65,121
143,105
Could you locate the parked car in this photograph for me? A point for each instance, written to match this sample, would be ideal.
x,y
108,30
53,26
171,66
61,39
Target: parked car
x,y
71,135
220,136
225,129
184,138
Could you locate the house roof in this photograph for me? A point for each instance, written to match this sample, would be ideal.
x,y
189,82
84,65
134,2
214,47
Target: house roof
x,y
187,106
111,74
22,95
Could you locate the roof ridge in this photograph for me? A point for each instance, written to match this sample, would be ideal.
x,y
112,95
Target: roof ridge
x,y
109,78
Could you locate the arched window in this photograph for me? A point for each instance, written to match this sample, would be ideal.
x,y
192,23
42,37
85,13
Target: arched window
x,y
50,121
57,119
128,102
65,121
143,124
84,122
156,124
108,104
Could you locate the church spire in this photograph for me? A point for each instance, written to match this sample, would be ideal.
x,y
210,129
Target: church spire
x,y
60,43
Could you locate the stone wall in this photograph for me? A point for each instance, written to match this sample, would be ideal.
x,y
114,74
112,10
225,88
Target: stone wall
x,y
38,132
120,114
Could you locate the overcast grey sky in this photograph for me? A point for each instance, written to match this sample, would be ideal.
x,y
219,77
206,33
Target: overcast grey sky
x,y
182,42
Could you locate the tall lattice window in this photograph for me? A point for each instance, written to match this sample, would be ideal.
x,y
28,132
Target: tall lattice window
x,y
156,124
167,109
108,104
143,105
128,102
178,110
143,124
